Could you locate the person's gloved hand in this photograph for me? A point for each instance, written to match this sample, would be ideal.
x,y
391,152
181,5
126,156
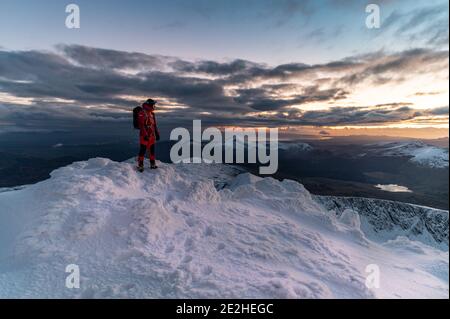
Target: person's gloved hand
x,y
146,138
157,136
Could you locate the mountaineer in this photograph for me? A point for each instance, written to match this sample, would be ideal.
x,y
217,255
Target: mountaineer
x,y
144,120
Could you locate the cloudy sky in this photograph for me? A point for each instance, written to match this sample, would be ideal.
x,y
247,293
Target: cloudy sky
x,y
300,65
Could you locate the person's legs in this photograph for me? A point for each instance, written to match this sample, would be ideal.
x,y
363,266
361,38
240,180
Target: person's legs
x,y
153,156
142,151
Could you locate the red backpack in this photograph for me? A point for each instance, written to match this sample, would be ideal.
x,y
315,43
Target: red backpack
x,y
136,112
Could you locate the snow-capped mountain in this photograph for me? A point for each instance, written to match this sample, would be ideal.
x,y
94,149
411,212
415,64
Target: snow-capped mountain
x,y
383,220
419,152
198,230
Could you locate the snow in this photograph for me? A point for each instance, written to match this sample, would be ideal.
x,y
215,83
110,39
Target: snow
x,y
419,152
351,218
384,220
196,231
295,147
431,156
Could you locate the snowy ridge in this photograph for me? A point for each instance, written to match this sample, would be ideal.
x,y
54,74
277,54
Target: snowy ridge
x,y
383,220
420,153
177,232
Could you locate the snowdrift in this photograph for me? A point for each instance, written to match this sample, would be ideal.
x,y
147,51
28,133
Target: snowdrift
x,y
197,231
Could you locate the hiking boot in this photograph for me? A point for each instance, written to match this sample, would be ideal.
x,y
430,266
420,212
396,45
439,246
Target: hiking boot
x,y
140,166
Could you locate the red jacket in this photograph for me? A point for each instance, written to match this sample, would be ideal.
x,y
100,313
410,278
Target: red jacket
x,y
148,128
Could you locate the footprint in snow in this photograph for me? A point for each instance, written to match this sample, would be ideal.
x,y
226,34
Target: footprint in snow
x,y
189,244
209,231
170,249
187,259
207,270
191,222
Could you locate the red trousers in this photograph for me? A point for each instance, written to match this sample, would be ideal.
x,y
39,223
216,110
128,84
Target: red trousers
x,y
150,148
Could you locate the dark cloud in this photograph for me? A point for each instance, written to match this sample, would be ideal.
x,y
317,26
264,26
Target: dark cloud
x,y
258,99
90,84
397,67
438,111
357,116
213,67
342,116
45,75
111,59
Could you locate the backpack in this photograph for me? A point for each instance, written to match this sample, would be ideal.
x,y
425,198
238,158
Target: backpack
x,y
136,112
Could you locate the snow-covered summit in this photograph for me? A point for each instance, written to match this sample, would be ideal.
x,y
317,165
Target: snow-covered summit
x,y
194,231
419,152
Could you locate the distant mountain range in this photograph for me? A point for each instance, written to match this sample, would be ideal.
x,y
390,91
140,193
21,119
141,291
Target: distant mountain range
x,y
418,151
